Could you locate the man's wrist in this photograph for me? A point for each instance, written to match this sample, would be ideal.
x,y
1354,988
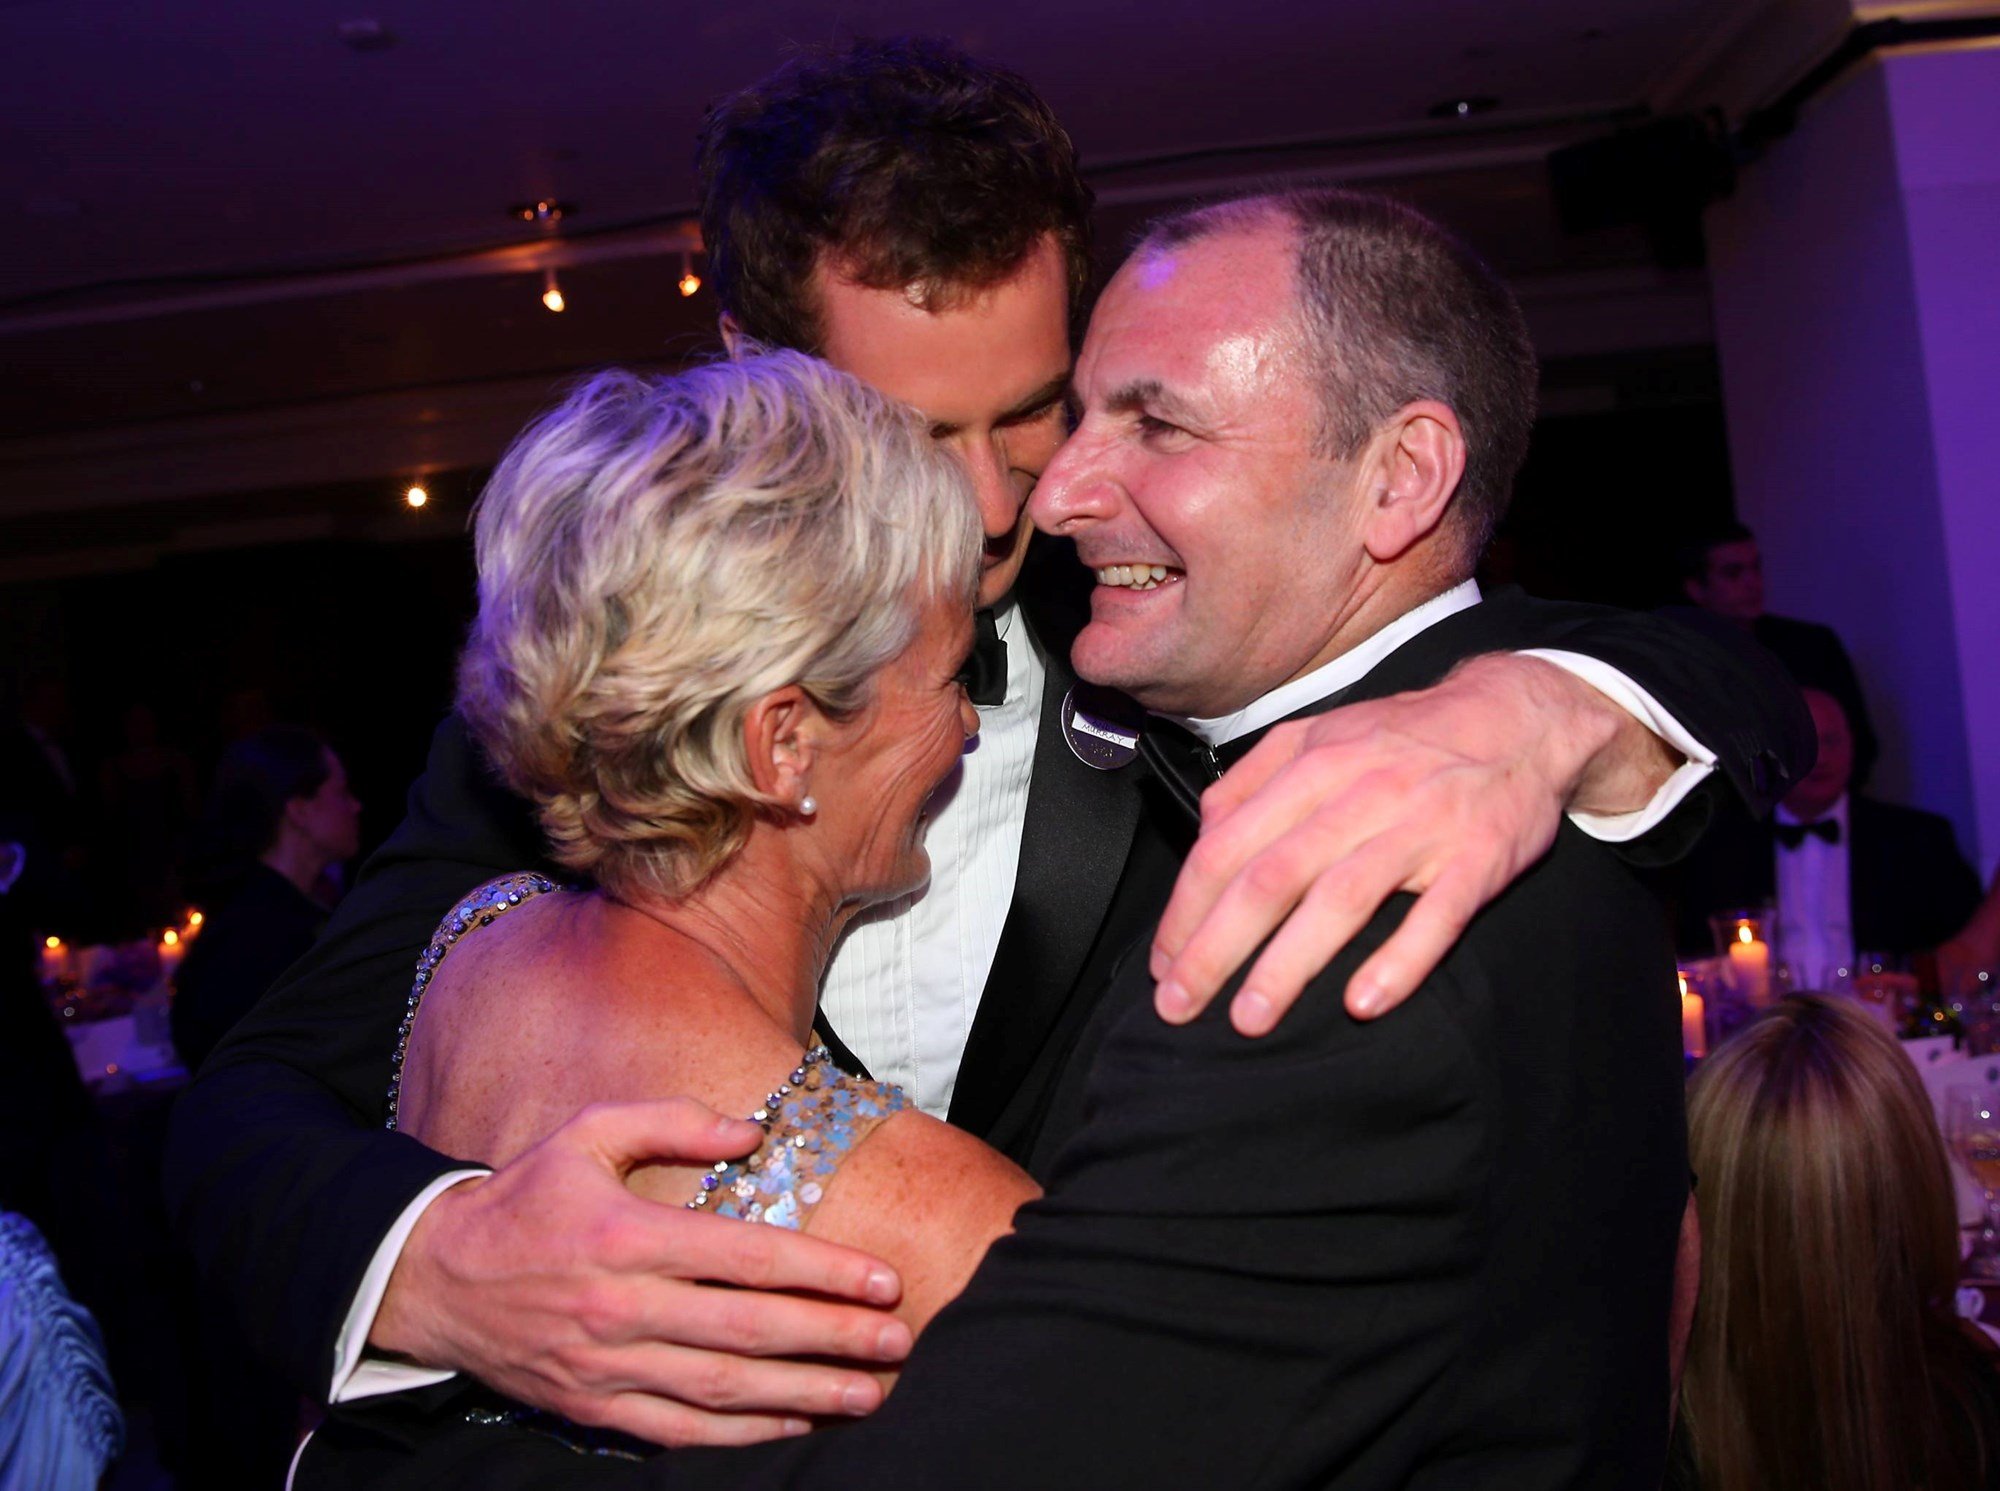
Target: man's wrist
x,y
1568,724
403,1324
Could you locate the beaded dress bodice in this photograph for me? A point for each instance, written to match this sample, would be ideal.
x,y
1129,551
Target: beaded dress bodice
x,y
812,1119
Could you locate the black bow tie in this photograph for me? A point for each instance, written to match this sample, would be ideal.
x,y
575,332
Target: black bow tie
x,y
1791,835
985,671
1186,764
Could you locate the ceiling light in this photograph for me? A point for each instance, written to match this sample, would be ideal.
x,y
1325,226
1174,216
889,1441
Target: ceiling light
x,y
1463,108
689,282
416,496
552,295
548,212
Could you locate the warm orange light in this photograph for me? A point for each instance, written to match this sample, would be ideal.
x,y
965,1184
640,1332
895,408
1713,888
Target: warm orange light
x,y
170,938
1684,985
1743,932
553,299
195,919
416,497
689,283
53,943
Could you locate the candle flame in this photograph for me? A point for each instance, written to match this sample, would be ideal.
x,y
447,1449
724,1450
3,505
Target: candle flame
x,y
1684,985
1743,932
53,943
170,938
195,918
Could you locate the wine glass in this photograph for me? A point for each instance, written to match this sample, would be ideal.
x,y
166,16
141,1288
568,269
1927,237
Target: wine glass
x,y
1972,1124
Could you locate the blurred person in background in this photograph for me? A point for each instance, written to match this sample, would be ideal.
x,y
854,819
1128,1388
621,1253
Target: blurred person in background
x,y
281,815
1847,872
1722,572
1826,1350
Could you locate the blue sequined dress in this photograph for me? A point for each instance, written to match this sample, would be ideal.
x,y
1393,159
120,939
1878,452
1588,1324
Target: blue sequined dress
x,y
812,1119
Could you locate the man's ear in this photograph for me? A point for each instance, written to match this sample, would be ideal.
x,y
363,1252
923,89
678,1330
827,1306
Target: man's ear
x,y
781,738
732,334
1415,464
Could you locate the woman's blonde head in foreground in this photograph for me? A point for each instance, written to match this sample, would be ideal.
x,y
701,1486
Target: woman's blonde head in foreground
x,y
656,554
1824,1352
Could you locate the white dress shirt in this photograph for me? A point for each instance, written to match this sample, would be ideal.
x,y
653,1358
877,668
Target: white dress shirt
x,y
906,979
1815,907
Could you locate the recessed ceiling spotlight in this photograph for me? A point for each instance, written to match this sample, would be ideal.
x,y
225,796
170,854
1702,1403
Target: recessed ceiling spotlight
x,y
1463,108
548,212
365,34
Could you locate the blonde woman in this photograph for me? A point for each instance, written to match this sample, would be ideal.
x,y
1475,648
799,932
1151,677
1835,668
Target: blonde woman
x,y
721,623
1826,1353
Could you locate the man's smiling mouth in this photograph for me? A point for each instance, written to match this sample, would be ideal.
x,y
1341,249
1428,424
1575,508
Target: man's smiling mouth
x,y
1137,576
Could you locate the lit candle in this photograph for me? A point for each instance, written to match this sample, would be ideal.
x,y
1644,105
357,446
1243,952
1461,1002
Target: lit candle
x,y
1694,1033
190,925
1750,966
171,952
55,961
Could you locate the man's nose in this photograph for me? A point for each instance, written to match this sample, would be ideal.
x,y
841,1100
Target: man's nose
x,y
995,490
1074,489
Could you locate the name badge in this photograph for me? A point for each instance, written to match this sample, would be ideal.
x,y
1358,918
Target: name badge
x,y
1100,728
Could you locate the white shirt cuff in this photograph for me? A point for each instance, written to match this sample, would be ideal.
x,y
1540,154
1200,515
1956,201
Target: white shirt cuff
x,y
355,1375
1619,828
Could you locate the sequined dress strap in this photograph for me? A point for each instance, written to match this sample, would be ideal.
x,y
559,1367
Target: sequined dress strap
x,y
476,910
812,1120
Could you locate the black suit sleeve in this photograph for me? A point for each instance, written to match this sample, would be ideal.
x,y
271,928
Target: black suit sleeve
x,y
281,1179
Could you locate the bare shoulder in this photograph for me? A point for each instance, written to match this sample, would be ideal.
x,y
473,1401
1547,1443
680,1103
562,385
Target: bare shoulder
x,y
927,1198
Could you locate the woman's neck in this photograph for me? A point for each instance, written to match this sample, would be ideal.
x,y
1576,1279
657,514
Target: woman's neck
x,y
765,929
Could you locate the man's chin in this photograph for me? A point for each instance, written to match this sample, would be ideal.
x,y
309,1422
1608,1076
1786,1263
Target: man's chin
x,y
1106,659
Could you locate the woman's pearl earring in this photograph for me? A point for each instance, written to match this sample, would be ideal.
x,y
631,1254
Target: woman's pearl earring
x,y
808,806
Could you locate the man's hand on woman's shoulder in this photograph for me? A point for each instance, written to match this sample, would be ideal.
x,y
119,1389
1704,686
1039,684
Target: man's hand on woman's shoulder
x,y
552,1282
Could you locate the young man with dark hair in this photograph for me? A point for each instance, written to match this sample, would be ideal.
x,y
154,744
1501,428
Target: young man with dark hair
x,y
546,1278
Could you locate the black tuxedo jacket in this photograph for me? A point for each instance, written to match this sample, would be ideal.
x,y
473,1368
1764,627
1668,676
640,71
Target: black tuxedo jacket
x,y
1908,886
1433,1250
283,1183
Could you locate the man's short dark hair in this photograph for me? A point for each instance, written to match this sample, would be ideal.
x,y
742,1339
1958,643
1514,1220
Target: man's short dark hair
x,y
1398,309
1691,554
906,162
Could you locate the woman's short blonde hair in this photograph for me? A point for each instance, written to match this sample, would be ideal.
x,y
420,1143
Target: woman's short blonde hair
x,y
656,554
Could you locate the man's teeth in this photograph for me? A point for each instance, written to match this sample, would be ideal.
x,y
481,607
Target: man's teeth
x,y
1133,576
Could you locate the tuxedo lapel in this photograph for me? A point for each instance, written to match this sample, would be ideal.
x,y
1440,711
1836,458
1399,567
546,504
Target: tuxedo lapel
x,y
1074,845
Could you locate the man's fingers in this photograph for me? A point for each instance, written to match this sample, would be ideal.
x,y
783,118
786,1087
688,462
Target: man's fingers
x,y
1298,822
1327,850
625,1135
1336,906
725,1251
678,1426
751,1323
1427,933
722,1383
